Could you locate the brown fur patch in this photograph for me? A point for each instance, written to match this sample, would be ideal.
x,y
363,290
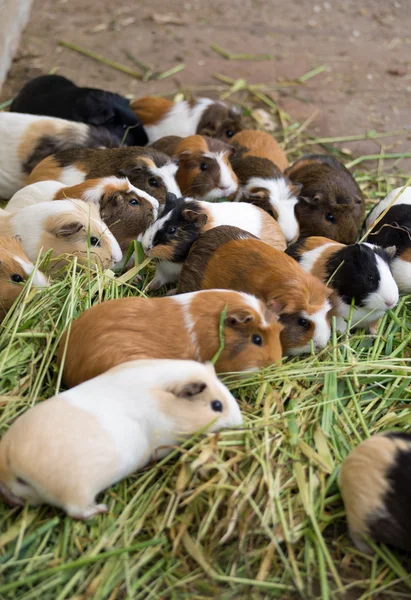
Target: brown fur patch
x,y
320,266
406,255
76,191
47,128
271,232
167,144
48,169
262,145
151,110
219,121
9,290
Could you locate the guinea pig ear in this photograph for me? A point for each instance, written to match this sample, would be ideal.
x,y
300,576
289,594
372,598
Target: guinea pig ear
x,y
296,188
68,229
190,389
129,171
171,202
256,195
238,318
391,251
199,219
275,306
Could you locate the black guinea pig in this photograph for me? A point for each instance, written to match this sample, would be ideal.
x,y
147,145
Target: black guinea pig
x,y
56,96
375,483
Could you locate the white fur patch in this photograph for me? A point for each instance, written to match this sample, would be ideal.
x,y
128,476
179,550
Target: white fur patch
x,y
322,330
404,198
386,296
185,302
147,238
72,176
401,270
167,175
181,120
35,193
227,184
239,214
39,279
309,258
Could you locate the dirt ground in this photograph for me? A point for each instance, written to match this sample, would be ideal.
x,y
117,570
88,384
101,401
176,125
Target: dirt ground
x,y
365,46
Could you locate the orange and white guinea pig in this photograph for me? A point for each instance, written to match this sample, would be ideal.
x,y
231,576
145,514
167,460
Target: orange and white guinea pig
x,y
66,450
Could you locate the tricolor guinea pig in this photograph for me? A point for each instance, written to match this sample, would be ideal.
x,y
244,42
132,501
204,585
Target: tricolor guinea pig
x,y
66,450
330,203
261,181
126,210
68,228
170,238
204,116
230,258
182,327
57,96
394,229
27,139
359,274
15,270
204,169
375,482
147,169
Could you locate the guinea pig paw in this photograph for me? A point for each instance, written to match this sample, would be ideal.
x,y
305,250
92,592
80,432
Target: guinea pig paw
x,y
137,278
10,498
154,285
373,328
172,292
82,514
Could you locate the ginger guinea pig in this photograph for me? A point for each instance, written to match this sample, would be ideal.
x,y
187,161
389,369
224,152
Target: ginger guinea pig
x,y
394,230
148,170
375,482
230,258
183,327
15,270
204,169
126,210
261,181
330,202
27,139
170,238
162,117
358,274
67,227
66,450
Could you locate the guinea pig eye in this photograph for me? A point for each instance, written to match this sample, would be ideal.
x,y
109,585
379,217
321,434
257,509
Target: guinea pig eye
x,y
229,133
217,406
94,241
330,217
17,278
303,322
172,230
203,166
257,339
134,202
153,182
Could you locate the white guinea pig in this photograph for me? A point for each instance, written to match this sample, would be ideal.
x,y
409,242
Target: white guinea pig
x,y
66,450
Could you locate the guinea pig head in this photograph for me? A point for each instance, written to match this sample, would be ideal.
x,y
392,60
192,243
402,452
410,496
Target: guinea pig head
x,y
220,121
172,235
321,216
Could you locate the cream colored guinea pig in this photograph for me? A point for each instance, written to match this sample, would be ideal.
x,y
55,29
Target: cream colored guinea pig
x,y
66,450
69,227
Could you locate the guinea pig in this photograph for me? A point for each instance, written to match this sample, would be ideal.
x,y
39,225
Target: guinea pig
x,y
148,170
27,139
66,450
57,96
358,273
204,169
230,258
375,482
127,211
204,116
15,269
261,182
170,238
330,203
183,327
67,227
394,229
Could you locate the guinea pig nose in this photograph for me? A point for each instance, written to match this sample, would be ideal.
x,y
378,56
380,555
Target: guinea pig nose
x,y
390,303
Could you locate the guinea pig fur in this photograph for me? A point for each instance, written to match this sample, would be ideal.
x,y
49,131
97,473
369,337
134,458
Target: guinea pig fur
x,y
15,269
27,139
262,183
127,211
358,274
66,450
170,238
230,258
375,482
330,203
394,230
204,116
181,327
148,170
68,227
204,169
56,96
261,144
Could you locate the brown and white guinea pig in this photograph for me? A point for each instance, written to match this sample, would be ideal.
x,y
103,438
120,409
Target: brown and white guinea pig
x,y
261,181
147,169
204,116
230,258
330,203
181,327
375,482
66,450
27,139
67,227
170,238
15,270
126,210
358,274
394,229
204,169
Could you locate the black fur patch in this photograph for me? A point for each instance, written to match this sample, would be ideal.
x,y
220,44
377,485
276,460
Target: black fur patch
x,y
296,249
399,235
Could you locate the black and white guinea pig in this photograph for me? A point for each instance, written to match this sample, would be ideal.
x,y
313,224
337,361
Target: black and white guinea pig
x,y
57,96
358,273
375,482
394,229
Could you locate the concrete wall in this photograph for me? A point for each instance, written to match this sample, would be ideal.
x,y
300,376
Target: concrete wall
x,y
14,15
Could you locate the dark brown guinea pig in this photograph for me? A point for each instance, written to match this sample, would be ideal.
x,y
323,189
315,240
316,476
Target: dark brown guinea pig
x,y
330,203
